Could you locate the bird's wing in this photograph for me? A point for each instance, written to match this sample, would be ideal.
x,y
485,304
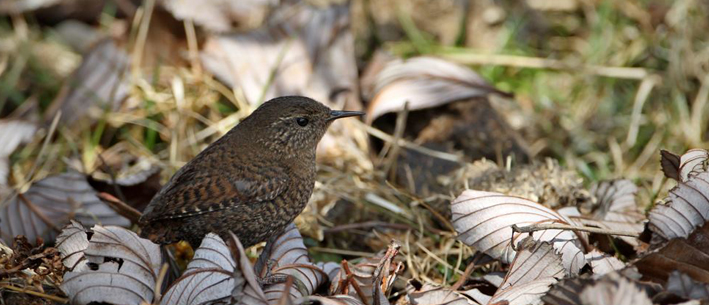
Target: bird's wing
x,y
193,192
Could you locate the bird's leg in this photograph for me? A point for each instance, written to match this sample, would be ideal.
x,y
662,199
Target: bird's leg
x,y
269,278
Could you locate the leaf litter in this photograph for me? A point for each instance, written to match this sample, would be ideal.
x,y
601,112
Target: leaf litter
x,y
310,50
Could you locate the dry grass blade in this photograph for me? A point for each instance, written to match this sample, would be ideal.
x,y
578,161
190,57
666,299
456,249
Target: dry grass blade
x,y
286,256
483,220
120,268
687,209
50,203
209,277
535,267
72,243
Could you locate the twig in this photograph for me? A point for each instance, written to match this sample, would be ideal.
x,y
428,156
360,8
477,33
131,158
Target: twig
x,y
556,226
342,252
468,270
36,293
351,280
120,207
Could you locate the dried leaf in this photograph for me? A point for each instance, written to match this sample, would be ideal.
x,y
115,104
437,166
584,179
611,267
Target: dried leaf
x,y
670,164
616,209
602,263
72,243
535,268
304,50
127,269
13,133
424,82
483,220
687,255
209,277
615,289
371,279
692,162
220,15
567,291
28,260
688,208
478,296
50,203
431,295
100,83
137,189
495,278
684,286
246,290
330,268
288,256
616,201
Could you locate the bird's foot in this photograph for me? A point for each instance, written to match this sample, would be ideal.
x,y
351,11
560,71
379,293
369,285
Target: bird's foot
x,y
269,278
272,279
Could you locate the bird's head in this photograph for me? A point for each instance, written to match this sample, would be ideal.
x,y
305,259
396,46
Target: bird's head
x,y
292,124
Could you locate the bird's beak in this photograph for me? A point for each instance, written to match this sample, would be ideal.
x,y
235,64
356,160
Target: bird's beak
x,y
338,114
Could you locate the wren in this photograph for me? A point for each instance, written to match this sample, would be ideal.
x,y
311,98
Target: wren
x,y
252,181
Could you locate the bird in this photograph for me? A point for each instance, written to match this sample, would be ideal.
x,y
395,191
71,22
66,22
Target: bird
x,y
253,181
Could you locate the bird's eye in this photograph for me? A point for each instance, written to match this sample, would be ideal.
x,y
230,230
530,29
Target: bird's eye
x,y
302,121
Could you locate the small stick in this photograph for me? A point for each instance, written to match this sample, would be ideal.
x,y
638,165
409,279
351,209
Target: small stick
x,y
120,207
468,270
35,293
557,226
353,283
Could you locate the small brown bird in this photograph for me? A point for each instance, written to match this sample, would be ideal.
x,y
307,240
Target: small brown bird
x,y
253,181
